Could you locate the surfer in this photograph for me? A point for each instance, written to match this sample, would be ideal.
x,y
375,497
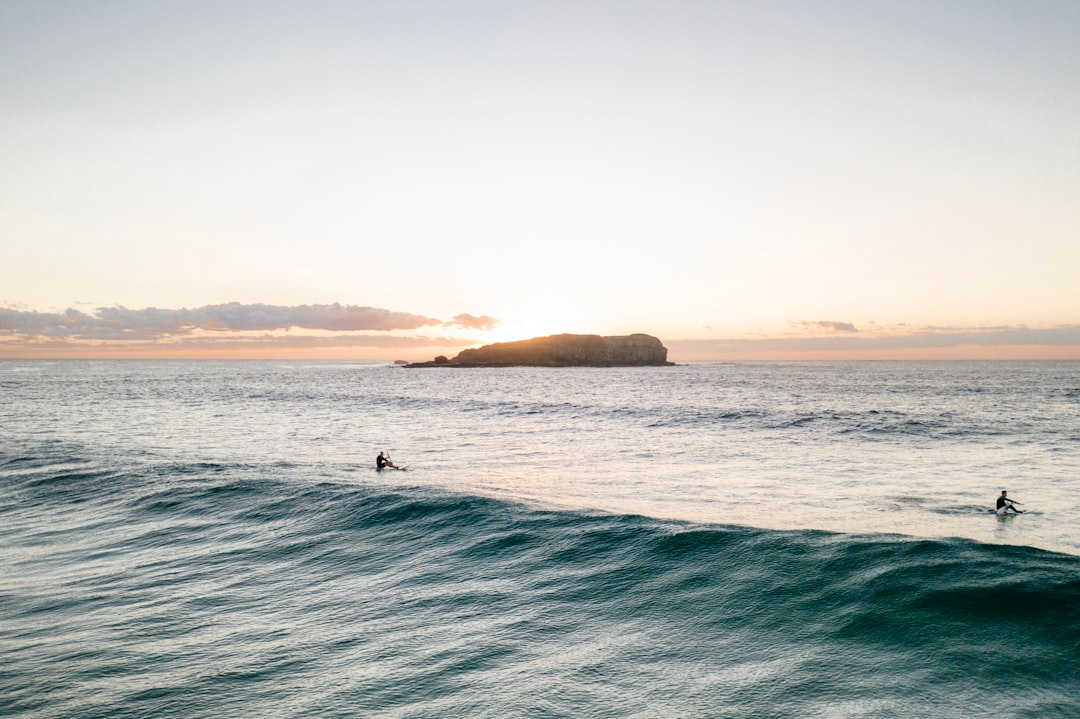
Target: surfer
x,y
1004,504
383,460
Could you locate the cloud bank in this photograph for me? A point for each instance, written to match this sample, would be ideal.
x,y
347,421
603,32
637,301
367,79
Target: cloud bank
x,y
904,340
471,322
827,326
121,323
243,330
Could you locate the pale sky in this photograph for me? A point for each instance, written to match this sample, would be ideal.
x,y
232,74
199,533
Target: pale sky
x,y
397,179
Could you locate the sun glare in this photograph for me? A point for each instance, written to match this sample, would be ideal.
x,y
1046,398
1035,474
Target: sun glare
x,y
512,331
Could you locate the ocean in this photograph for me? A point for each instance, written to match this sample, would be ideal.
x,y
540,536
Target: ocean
x,y
212,539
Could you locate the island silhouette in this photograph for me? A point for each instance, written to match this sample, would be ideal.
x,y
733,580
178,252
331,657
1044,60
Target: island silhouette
x,y
565,350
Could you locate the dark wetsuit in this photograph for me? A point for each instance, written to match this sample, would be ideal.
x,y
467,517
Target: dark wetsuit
x,y
1007,504
381,462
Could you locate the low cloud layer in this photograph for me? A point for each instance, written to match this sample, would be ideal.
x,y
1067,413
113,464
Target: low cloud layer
x,y
471,322
901,339
827,326
120,323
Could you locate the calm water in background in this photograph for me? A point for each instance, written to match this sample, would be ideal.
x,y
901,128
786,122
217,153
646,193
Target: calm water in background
x,y
745,540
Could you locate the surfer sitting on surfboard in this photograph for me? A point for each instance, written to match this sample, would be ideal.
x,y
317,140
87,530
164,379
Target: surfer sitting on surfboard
x,y
383,460
1004,504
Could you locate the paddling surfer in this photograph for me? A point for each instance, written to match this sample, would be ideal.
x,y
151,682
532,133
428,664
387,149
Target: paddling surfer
x,y
1004,504
383,460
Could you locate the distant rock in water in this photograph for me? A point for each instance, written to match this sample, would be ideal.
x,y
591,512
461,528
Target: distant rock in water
x,y
637,350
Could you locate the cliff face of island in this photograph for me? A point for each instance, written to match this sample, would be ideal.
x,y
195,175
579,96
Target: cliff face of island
x,y
637,350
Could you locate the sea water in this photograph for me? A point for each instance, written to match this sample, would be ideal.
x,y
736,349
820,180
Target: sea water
x,y
211,539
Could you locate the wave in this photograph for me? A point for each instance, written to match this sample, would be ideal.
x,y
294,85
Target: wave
x,y
152,588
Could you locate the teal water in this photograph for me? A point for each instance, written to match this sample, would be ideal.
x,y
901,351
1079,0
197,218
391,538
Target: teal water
x,y
205,540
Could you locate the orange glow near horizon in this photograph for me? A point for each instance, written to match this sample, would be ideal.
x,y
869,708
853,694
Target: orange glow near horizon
x,y
513,331
957,353
147,351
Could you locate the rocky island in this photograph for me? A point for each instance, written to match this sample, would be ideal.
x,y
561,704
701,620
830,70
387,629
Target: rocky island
x,y
637,350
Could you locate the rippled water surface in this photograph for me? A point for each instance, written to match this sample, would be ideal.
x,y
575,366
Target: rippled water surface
x,y
207,539
913,448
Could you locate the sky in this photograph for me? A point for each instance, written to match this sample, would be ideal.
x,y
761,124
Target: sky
x,y
777,179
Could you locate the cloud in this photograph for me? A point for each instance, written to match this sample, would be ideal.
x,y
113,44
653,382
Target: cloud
x,y
319,341
121,323
909,338
827,326
471,322
224,345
